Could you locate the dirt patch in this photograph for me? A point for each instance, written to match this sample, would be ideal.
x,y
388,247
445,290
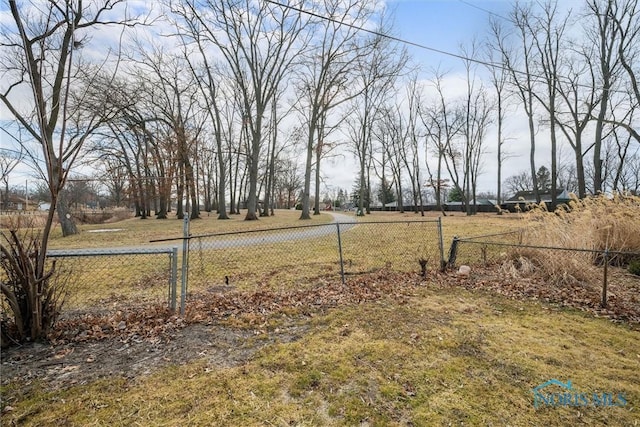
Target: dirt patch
x,y
74,363
140,340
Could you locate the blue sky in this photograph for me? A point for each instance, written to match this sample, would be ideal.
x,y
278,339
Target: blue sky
x,y
443,25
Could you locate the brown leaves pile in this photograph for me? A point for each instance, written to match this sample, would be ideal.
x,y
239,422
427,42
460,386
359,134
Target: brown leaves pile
x,y
623,299
251,308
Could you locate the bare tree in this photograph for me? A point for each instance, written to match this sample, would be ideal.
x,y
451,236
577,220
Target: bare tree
x,y
548,32
289,182
577,92
517,50
499,78
519,182
137,140
628,26
391,135
115,178
211,78
376,76
9,159
41,73
476,118
601,30
171,97
323,79
411,155
259,42
44,55
443,125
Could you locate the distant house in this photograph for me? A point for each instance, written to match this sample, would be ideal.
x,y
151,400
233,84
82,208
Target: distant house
x,y
524,198
390,206
481,205
14,203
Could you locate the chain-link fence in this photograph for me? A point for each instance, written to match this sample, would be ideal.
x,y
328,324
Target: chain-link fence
x,y
292,257
101,281
594,270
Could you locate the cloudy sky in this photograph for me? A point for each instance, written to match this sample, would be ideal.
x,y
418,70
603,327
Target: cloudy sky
x,y
438,26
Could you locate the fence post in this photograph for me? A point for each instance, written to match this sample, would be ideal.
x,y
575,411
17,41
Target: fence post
x,y
443,263
603,303
340,251
453,252
173,280
185,262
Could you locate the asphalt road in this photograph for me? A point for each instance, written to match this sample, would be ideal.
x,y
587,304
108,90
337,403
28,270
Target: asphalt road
x,y
235,240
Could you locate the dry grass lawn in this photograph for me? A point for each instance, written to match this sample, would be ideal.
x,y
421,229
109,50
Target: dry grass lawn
x,y
440,355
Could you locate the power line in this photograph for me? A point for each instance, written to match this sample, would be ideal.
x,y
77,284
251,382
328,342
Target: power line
x,y
388,36
475,6
432,49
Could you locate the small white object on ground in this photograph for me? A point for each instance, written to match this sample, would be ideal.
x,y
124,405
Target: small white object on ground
x,y
464,270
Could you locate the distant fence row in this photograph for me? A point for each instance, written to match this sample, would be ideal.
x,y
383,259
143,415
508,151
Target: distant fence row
x,y
102,281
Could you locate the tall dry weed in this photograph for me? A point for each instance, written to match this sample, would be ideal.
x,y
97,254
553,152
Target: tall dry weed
x,y
18,220
596,223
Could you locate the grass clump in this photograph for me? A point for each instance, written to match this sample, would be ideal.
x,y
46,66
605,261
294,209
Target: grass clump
x,y
634,267
581,233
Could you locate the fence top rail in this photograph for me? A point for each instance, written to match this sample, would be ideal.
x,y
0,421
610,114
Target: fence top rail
x,y
257,230
58,253
484,236
293,227
557,248
393,222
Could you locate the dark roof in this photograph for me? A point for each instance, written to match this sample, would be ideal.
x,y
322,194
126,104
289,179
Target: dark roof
x,y
529,197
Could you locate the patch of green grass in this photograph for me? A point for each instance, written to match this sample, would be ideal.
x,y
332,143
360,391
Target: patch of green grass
x,y
445,356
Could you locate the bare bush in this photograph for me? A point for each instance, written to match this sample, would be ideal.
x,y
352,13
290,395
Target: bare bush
x,y
31,302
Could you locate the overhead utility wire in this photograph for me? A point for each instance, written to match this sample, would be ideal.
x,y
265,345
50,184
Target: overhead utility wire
x,y
379,34
421,46
475,6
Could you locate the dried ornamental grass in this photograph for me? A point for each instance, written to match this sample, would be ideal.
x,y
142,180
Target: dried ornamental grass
x,y
596,223
599,222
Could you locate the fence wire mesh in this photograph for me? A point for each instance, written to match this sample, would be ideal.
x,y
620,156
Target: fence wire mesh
x,y
103,281
601,272
397,246
294,257
281,257
100,282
